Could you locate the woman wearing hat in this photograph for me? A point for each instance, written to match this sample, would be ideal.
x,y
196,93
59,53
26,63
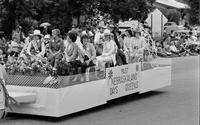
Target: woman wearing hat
x,y
36,47
46,40
109,51
56,48
138,46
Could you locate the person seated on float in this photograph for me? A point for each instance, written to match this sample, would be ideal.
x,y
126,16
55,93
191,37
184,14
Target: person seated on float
x,y
120,56
27,40
128,39
18,33
87,56
138,46
71,51
2,56
47,39
14,46
109,51
56,48
36,47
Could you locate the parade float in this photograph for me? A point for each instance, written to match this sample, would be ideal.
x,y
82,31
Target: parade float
x,y
47,95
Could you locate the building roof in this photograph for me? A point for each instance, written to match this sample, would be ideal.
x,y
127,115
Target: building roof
x,y
172,3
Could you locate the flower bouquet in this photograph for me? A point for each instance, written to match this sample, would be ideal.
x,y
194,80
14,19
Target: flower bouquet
x,y
28,66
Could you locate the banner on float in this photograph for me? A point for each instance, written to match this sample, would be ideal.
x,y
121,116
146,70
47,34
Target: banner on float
x,y
122,80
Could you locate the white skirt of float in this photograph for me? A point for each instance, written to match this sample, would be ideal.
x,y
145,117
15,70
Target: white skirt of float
x,y
58,102
2,113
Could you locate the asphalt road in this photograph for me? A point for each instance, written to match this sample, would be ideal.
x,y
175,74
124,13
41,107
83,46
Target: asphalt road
x,y
177,104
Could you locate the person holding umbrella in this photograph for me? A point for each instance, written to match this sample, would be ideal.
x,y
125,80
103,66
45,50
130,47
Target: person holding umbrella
x,y
45,26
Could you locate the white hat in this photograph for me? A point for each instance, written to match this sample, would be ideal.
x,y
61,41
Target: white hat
x,y
90,33
101,25
107,32
36,33
84,33
47,36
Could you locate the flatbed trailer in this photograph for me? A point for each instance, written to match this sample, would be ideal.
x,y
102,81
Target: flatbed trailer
x,y
65,97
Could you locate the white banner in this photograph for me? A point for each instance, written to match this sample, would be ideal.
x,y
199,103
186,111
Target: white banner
x,y
122,80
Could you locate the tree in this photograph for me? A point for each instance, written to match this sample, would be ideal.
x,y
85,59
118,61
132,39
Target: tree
x,y
125,9
174,15
60,12
194,11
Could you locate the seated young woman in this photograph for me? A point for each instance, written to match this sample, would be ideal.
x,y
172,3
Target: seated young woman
x,y
109,51
36,47
87,56
68,63
56,48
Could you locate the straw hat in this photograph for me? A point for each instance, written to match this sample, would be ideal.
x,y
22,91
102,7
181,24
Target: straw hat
x,y
101,25
107,32
111,26
57,31
36,33
84,33
137,30
47,36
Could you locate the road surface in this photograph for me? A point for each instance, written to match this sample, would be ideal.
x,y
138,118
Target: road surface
x,y
174,105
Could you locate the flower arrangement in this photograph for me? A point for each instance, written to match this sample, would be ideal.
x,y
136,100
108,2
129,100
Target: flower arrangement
x,y
28,66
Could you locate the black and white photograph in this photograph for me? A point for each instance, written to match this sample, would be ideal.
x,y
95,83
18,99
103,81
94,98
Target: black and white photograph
x,y
99,62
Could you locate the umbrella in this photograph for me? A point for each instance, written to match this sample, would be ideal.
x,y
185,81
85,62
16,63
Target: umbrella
x,y
45,24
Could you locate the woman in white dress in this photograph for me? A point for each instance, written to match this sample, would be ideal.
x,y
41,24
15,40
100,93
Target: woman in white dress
x,y
128,39
109,51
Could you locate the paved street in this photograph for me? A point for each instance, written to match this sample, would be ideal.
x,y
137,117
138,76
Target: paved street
x,y
174,105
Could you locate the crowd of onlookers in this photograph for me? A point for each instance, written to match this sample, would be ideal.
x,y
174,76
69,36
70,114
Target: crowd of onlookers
x,y
100,48
179,43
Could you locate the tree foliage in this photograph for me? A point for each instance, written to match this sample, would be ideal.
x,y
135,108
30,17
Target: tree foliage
x,y
59,13
194,11
173,15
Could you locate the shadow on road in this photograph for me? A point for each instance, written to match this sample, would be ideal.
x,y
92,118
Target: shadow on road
x,y
110,104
